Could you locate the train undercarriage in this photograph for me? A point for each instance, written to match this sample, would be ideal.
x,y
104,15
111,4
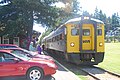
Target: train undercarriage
x,y
79,58
86,58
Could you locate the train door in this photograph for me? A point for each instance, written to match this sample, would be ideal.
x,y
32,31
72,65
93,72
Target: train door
x,y
87,37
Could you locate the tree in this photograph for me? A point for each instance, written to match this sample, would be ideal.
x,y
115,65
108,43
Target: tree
x,y
108,25
102,16
71,10
75,8
85,13
115,21
96,14
19,15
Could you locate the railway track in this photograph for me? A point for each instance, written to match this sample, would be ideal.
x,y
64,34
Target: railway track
x,y
100,74
93,72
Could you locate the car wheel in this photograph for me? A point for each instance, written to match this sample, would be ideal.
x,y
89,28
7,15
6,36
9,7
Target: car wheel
x,y
35,74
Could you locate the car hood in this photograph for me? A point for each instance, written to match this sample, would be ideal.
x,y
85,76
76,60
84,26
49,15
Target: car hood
x,y
39,60
45,62
43,56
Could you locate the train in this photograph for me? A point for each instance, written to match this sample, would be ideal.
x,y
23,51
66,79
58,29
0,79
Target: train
x,y
79,40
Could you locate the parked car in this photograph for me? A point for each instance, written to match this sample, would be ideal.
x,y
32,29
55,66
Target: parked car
x,y
30,53
2,46
14,64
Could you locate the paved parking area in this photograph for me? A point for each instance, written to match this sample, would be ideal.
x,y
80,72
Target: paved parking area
x,y
23,78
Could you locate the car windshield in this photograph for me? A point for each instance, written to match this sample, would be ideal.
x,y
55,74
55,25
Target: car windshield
x,y
21,55
29,52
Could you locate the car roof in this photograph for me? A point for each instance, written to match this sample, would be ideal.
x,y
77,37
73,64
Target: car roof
x,y
8,45
2,46
12,48
7,51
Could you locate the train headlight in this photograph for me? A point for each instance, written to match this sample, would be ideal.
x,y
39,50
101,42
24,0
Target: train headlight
x,y
100,44
72,44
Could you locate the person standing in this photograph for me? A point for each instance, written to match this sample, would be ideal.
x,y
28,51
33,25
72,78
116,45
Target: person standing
x,y
43,47
39,49
31,47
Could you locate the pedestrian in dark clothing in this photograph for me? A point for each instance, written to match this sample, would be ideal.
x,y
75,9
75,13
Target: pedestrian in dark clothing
x,y
43,47
39,49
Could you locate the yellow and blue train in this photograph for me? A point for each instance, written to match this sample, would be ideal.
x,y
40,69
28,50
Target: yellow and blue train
x,y
79,40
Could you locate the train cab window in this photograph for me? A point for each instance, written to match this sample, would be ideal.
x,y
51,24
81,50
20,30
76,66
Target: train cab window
x,y
99,32
75,31
86,32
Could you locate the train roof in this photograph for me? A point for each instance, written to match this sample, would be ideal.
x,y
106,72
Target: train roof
x,y
74,20
48,35
83,18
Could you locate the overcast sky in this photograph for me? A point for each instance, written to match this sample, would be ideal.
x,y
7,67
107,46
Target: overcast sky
x,y
107,6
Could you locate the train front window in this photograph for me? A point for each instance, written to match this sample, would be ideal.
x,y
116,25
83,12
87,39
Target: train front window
x,y
86,32
75,31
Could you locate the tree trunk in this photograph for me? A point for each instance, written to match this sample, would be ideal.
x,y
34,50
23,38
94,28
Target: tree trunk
x,y
30,25
29,28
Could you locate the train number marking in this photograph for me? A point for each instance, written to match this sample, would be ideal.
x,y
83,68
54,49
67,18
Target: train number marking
x,y
86,41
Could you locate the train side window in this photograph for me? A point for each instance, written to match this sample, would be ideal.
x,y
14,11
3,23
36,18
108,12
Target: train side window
x,y
53,39
61,36
75,31
99,32
86,32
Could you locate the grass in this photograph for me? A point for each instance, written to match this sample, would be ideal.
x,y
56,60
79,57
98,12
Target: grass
x,y
111,61
112,58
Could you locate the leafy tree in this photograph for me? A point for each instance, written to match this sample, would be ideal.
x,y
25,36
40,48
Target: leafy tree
x,y
18,16
71,10
75,8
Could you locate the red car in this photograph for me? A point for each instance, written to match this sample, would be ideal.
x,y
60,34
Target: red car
x,y
31,54
14,64
2,46
21,50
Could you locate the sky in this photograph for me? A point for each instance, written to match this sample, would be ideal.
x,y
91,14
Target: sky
x,y
107,6
39,28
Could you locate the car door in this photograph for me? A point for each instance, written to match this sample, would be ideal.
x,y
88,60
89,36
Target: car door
x,y
9,67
